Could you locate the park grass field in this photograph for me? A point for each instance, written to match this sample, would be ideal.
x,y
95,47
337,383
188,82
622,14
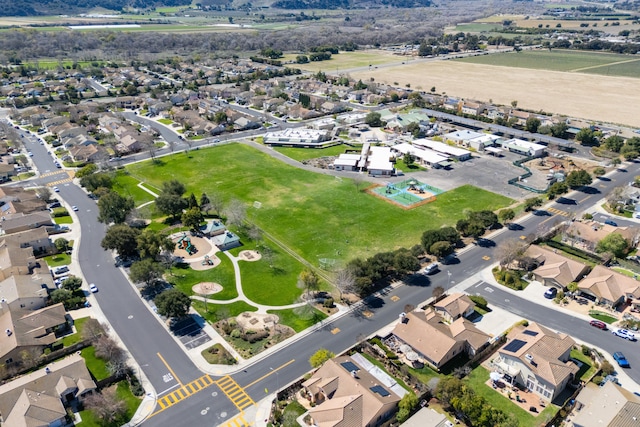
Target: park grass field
x,y
348,60
315,215
556,60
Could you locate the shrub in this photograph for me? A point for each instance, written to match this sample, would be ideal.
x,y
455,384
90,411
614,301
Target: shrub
x,y
236,333
597,379
328,303
479,300
607,368
255,336
586,350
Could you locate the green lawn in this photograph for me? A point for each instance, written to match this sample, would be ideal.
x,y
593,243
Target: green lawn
x,y
299,318
624,271
126,185
301,154
96,366
69,340
165,121
66,219
555,60
57,260
587,370
216,312
346,60
315,215
123,393
477,380
185,278
602,317
627,69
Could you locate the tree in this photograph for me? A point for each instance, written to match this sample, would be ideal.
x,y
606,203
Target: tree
x,y
171,204
236,213
114,208
486,218
44,193
532,124
614,244
578,178
373,119
97,180
586,136
614,143
72,284
599,171
441,249
531,203
106,406
151,243
193,203
405,262
216,202
556,189
437,292
173,303
61,295
559,130
192,218
309,281
121,238
318,358
345,281
508,250
146,271
62,244
205,203
506,215
174,187
92,329
406,405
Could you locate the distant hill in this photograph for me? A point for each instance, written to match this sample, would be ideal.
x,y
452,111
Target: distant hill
x,y
346,4
57,7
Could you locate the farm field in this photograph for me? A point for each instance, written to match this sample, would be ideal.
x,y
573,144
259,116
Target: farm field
x,y
554,60
315,215
564,93
348,60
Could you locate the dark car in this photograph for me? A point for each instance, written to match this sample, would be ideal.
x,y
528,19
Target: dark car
x,y
551,293
622,361
611,223
598,324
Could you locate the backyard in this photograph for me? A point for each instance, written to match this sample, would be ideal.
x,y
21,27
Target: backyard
x,y
314,215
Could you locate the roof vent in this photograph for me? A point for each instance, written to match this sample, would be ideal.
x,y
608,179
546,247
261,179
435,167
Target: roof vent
x,y
529,357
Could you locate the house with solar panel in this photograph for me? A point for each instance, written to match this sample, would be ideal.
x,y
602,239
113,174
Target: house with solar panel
x,y
351,391
538,359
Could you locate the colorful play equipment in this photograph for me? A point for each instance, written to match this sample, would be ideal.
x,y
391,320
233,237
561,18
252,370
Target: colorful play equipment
x,y
207,260
185,243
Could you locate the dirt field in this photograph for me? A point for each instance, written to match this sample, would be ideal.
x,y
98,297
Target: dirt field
x,y
591,97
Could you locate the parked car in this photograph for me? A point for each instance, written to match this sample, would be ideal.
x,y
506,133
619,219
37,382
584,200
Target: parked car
x,y
611,223
93,288
622,361
551,293
56,189
624,333
598,324
74,208
431,268
61,270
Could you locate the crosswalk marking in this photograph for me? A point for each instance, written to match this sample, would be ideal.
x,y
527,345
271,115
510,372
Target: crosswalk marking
x,y
235,393
335,331
558,211
238,421
62,181
185,391
395,298
46,174
486,258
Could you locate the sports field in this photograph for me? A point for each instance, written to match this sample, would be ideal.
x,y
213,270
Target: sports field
x,y
562,60
316,215
348,60
581,94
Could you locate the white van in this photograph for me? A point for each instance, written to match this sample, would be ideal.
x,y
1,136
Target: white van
x,y
431,268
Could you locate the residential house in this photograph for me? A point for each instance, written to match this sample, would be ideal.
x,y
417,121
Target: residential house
x,y
587,234
20,222
495,113
473,108
27,292
346,393
437,340
15,260
520,117
537,358
87,153
29,330
6,172
609,287
452,104
555,269
39,398
454,306
606,406
427,417
37,239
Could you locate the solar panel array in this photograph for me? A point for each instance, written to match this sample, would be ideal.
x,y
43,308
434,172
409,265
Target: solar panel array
x,y
515,345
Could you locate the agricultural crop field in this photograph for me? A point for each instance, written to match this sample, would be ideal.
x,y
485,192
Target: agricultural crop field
x,y
315,215
561,60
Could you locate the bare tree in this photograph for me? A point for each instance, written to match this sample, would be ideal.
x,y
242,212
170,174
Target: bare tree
x,y
255,233
508,250
106,405
438,291
108,349
345,281
92,329
236,212
358,181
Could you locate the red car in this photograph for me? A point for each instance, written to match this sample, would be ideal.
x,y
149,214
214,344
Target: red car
x,y
598,324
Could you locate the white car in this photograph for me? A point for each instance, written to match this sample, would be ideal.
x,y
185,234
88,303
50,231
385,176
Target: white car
x,y
56,189
74,208
30,154
431,268
624,333
93,288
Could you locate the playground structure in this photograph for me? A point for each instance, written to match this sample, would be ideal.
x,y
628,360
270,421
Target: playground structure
x,y
207,260
407,194
185,243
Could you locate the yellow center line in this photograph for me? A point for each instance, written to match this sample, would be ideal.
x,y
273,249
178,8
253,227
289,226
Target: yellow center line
x,y
271,372
170,370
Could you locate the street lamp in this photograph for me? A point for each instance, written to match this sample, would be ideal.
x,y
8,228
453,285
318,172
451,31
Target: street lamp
x,y
448,279
277,381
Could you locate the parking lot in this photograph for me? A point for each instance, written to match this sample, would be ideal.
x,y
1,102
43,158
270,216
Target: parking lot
x,y
190,333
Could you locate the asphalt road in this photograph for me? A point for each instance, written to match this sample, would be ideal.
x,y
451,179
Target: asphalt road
x,y
158,354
